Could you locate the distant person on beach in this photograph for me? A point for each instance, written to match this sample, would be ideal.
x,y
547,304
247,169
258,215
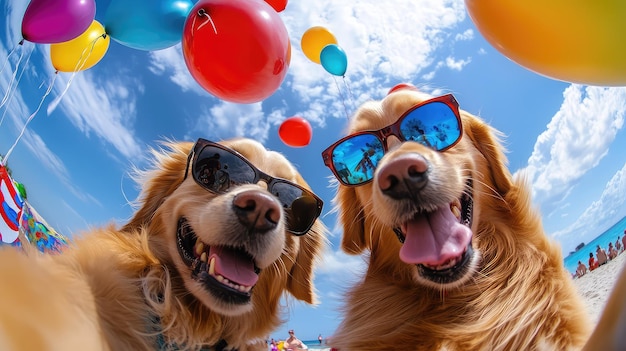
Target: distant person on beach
x,y
602,257
618,245
293,343
581,270
612,251
319,338
593,264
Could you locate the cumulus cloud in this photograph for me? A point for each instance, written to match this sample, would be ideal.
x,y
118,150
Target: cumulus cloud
x,y
575,141
602,213
383,45
105,107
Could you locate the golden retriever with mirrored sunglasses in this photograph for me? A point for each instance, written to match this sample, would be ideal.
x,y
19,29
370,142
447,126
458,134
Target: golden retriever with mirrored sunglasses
x,y
458,258
200,264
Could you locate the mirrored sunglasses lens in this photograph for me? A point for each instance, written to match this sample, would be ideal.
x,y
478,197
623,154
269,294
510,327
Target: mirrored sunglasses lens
x,y
218,169
434,125
300,207
356,158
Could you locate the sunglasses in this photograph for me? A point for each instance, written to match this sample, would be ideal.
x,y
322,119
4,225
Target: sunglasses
x,y
217,168
435,123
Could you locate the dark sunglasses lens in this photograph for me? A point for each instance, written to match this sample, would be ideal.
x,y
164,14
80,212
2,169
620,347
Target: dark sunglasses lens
x,y
218,169
356,158
300,207
434,125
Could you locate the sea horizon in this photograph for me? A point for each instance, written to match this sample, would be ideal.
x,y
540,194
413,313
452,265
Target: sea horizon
x,y
610,235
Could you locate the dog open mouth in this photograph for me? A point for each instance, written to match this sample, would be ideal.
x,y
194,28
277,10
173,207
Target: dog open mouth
x,y
439,242
228,273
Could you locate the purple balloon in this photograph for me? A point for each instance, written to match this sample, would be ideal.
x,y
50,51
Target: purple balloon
x,y
56,21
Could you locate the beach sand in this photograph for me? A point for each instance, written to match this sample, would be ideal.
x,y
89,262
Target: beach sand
x,y
596,286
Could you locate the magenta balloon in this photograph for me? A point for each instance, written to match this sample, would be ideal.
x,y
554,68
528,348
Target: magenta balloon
x,y
56,21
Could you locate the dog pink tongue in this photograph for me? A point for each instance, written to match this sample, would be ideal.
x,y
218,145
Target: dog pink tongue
x,y
233,265
434,238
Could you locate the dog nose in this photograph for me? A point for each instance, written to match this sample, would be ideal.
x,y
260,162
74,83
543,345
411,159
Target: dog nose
x,y
403,176
257,210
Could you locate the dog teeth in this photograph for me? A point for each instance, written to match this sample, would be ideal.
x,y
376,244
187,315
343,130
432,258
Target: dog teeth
x,y
212,266
447,264
220,278
199,248
455,207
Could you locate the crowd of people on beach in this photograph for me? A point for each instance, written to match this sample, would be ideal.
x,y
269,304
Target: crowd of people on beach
x,y
602,256
292,343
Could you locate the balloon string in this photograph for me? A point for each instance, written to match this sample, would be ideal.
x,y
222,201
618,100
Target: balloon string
x,y
79,66
81,62
30,118
202,13
11,53
15,88
17,66
343,101
350,96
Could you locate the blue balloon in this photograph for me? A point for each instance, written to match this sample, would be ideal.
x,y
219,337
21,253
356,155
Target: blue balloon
x,y
334,59
147,24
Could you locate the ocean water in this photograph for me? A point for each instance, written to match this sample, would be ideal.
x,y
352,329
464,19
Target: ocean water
x,y
610,235
315,344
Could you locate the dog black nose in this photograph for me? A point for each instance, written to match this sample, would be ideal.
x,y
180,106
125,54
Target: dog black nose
x,y
403,176
257,210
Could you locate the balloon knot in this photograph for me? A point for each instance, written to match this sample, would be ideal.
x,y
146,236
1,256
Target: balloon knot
x,y
201,13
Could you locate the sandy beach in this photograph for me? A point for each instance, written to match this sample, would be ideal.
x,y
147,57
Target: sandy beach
x,y
596,286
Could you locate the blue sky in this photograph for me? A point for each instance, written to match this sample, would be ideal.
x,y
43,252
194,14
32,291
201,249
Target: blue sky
x,y
75,156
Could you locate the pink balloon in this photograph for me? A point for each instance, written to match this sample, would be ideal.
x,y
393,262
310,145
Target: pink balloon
x,y
56,21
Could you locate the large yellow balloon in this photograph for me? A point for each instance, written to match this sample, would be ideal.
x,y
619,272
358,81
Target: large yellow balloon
x,y
82,52
572,41
314,40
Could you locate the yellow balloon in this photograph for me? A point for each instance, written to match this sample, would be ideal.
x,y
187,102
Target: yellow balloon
x,y
82,52
314,40
572,41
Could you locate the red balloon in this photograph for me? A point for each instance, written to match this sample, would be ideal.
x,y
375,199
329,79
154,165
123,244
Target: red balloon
x,y
402,86
295,131
278,5
238,50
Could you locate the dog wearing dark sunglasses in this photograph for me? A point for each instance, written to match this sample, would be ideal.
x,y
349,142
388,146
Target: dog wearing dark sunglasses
x,y
457,256
222,232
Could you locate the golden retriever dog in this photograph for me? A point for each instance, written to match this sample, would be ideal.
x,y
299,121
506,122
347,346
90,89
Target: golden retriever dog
x,y
457,256
223,230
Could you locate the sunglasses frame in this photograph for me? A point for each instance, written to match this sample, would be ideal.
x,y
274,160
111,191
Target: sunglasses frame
x,y
393,130
259,175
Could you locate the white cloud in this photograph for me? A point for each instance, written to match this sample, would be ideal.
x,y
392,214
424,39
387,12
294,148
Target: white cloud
x,y
337,263
385,41
576,139
602,213
103,106
171,60
467,35
455,64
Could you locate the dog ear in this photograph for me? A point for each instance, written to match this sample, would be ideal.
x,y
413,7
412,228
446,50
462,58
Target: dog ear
x,y
300,279
487,140
351,217
160,182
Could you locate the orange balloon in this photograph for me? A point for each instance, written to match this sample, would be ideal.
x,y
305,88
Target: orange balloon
x,y
314,40
572,41
295,131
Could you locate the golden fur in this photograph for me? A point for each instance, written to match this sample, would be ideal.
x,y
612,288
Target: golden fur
x,y
118,289
515,295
